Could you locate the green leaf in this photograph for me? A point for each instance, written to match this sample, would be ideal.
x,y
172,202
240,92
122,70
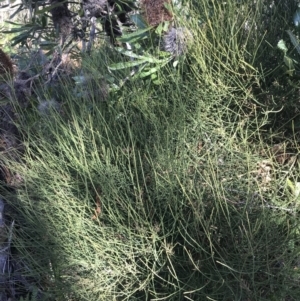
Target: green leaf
x,y
168,6
137,74
166,26
153,76
289,62
109,79
162,27
47,45
294,41
17,11
157,82
13,23
296,18
44,21
20,38
281,45
294,187
124,65
175,63
159,29
128,53
149,72
4,6
297,189
135,36
13,30
138,20
131,54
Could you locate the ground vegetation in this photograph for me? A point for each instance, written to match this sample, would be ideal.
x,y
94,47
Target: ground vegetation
x,y
151,155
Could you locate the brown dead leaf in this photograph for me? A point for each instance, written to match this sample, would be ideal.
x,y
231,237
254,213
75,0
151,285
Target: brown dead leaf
x,y
280,154
97,210
263,173
199,147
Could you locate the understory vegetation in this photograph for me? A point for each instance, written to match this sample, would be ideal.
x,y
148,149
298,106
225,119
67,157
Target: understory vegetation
x,y
175,178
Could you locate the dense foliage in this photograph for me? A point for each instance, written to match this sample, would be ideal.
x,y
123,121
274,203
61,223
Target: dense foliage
x,y
149,151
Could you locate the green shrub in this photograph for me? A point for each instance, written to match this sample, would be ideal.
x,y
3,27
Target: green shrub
x,y
157,192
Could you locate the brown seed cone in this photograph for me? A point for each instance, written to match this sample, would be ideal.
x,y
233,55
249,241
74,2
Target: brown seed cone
x,y
155,12
62,19
6,66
